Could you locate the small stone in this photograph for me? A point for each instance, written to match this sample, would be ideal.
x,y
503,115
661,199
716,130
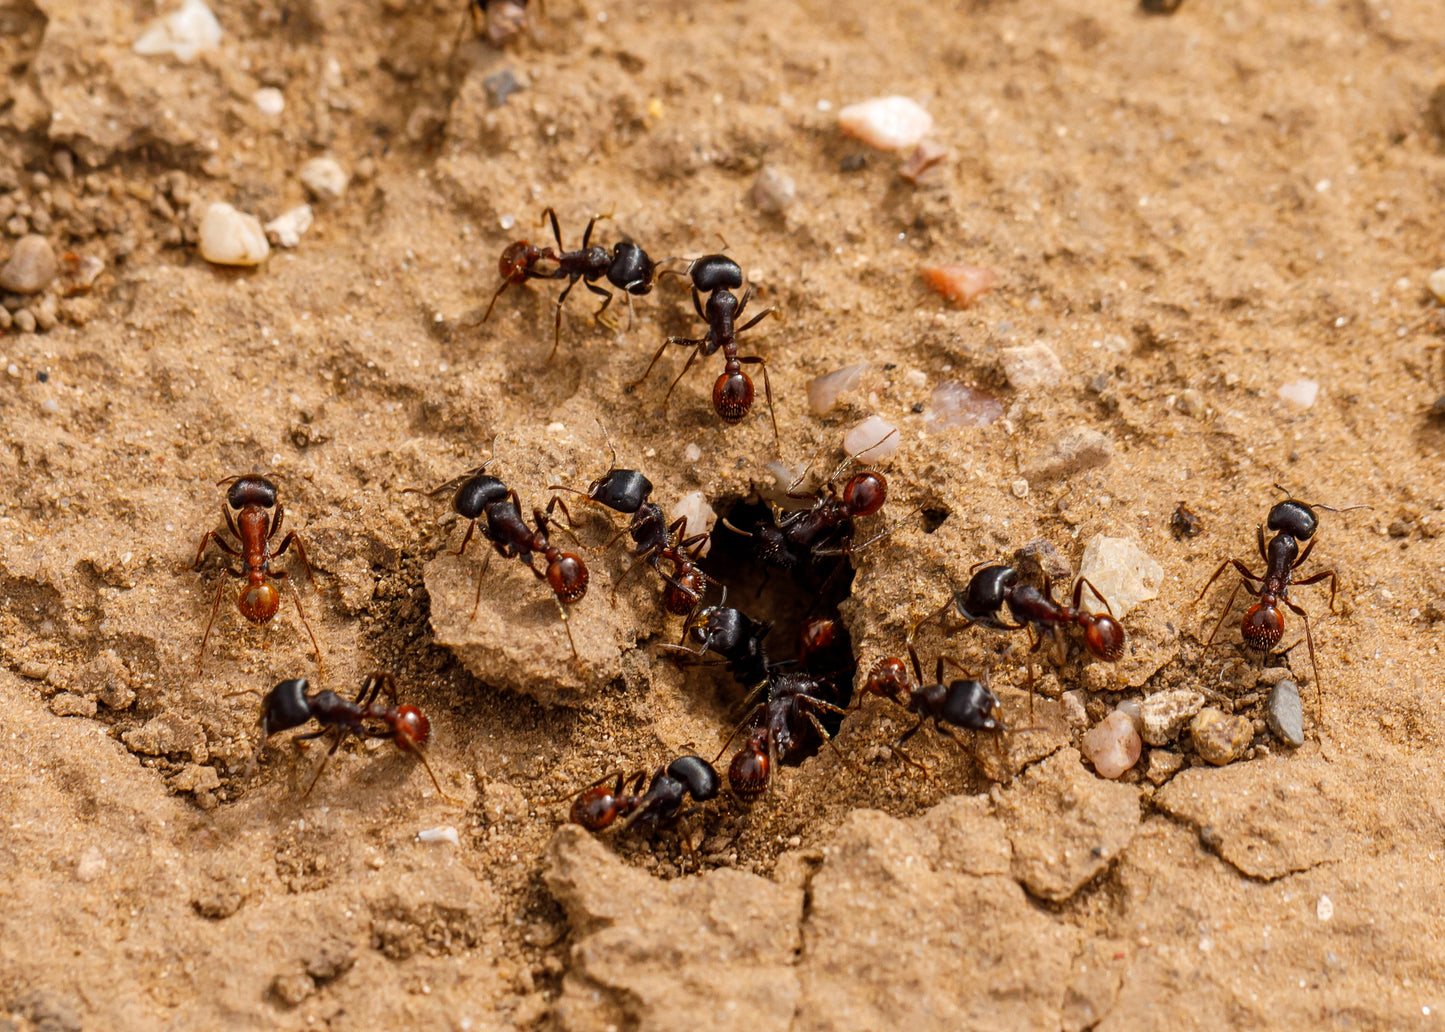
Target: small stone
x,y
1299,394
34,671
287,228
1113,746
503,802
230,237
31,267
269,100
168,734
872,440
1135,712
1285,714
500,86
888,123
773,192
25,321
68,704
1074,451
1324,908
700,516
17,225
91,866
331,961
1184,523
1163,765
1019,488
1191,402
183,33
927,156
824,391
1436,283
447,834
325,178
47,313
960,284
1039,558
1075,714
1220,738
1031,366
196,777
1164,714
954,404
292,989
64,163
1122,571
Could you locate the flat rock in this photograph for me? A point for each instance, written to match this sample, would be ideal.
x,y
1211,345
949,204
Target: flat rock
x,y
1266,818
647,951
1122,571
169,734
1065,824
1165,713
1031,366
1074,451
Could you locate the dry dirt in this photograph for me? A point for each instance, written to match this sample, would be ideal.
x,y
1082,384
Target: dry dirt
x,y
1189,210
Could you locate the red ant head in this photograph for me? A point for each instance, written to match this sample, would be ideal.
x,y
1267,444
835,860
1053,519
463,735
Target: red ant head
x,y
815,636
567,577
865,494
597,807
259,602
1263,626
889,678
517,257
748,772
411,726
681,598
732,396
1104,637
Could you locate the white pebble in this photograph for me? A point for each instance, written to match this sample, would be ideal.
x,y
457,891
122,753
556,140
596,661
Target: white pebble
x,y
286,229
1113,746
183,33
824,391
1299,394
1120,569
269,100
325,178
445,833
691,453
1020,488
700,516
1436,283
954,404
1325,908
872,440
50,405
1030,366
231,237
888,123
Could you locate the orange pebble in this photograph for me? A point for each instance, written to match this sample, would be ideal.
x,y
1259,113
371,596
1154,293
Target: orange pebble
x,y
961,284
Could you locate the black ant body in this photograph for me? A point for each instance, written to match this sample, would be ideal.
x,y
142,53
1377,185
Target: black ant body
x,y
607,800
482,496
718,276
966,704
734,636
253,528
289,705
627,267
782,728
1262,627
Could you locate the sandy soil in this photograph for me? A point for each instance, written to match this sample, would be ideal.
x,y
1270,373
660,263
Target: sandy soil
x,y
1191,211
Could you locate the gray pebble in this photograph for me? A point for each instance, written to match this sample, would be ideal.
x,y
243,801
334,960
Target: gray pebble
x,y
773,192
500,86
1073,451
31,267
1285,714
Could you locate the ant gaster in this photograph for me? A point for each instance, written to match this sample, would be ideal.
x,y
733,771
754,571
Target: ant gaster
x,y
718,276
290,704
627,267
253,528
607,800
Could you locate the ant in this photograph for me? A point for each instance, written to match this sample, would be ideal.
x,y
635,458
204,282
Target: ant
x,y
251,496
734,636
627,267
966,704
1292,521
628,492
290,705
780,728
480,495
600,804
718,276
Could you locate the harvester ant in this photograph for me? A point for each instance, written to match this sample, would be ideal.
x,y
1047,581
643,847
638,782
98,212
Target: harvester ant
x,y
250,497
1262,627
966,704
781,726
734,636
607,800
718,276
289,705
627,267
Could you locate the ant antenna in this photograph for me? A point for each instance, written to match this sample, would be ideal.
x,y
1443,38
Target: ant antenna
x,y
1320,505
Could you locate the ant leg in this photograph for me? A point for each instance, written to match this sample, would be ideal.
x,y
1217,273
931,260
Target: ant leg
x,y
548,213
477,602
597,315
767,389
1223,613
1079,594
637,562
505,283
471,528
957,666
697,305
1323,575
686,365
282,575
1222,567
759,318
847,549
215,608
1314,665
206,539
587,233
567,626
340,737
746,722
827,738
290,538
557,322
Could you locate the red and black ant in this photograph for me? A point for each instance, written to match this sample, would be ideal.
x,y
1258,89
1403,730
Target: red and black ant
x,y
1262,627
606,800
734,636
253,528
782,729
480,495
290,705
718,276
627,267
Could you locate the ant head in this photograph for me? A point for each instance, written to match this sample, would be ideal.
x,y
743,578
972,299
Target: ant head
x,y
567,576
720,630
698,775
865,493
816,635
411,727
259,602
748,772
631,270
732,396
986,593
251,490
682,596
1104,637
476,493
970,704
1262,627
285,706
597,807
621,490
715,272
889,678
1294,518
516,259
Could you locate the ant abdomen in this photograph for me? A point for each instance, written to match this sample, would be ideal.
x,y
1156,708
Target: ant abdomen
x,y
1262,627
865,494
516,258
732,396
1104,638
412,727
748,771
259,602
567,577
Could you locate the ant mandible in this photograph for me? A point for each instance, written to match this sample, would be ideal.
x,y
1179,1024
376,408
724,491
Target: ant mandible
x,y
250,497
718,276
734,636
289,705
627,267
605,801
1262,627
